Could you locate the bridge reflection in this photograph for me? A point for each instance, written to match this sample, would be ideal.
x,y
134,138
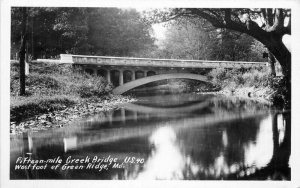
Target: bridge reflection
x,y
217,145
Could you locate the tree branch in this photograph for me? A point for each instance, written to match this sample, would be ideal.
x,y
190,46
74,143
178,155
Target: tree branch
x,y
287,29
227,15
224,21
278,24
237,17
213,20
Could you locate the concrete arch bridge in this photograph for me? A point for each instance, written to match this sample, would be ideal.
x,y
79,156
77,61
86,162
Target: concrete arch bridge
x,y
127,73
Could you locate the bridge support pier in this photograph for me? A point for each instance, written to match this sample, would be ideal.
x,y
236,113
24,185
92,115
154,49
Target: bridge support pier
x,y
108,76
123,117
121,80
135,116
110,117
133,75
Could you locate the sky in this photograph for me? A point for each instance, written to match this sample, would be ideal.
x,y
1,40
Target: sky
x,y
158,29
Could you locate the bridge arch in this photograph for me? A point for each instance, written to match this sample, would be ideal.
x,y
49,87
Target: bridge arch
x,y
139,74
89,71
102,72
164,110
128,76
115,77
151,73
133,84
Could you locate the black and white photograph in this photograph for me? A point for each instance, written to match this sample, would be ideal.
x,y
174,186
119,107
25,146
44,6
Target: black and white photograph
x,y
139,92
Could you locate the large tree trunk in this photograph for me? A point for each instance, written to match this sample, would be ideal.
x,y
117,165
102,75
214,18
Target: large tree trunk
x,y
22,51
283,55
272,61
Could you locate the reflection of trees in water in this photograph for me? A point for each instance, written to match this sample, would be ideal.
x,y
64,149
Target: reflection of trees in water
x,y
221,104
210,152
216,160
212,147
278,167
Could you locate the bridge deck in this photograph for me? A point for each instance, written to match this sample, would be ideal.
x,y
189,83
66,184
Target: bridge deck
x,y
149,62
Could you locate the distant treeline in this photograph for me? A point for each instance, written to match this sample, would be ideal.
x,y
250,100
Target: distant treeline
x,y
198,39
126,32
90,31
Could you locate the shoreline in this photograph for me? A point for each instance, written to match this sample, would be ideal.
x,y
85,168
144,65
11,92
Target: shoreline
x,y
61,118
261,95
87,107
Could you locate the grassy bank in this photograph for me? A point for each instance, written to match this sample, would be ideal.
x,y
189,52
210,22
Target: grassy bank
x,y
52,87
256,83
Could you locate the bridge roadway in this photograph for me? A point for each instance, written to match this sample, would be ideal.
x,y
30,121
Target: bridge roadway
x,y
151,62
123,70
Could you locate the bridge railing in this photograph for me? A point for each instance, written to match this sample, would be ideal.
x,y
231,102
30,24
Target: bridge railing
x,y
150,62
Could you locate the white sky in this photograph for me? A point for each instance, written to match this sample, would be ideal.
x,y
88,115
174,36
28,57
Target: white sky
x,y
158,29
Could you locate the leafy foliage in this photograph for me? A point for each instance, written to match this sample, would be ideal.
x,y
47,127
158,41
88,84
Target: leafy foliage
x,y
98,31
66,81
190,39
241,77
185,40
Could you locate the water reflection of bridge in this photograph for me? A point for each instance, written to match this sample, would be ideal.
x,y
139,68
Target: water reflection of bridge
x,y
74,139
88,138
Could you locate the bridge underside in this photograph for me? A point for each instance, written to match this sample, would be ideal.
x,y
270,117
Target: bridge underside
x,y
129,73
133,84
120,75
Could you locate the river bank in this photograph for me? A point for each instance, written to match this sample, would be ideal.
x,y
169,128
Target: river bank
x,y
76,112
56,95
262,95
252,84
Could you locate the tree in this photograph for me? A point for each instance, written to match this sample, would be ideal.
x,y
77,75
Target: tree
x,y
22,51
269,32
97,31
232,46
186,40
117,32
51,31
195,39
257,49
71,29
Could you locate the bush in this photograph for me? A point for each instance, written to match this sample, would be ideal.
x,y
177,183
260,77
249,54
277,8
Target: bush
x,y
94,86
218,74
51,79
52,87
50,68
44,80
258,78
281,93
240,77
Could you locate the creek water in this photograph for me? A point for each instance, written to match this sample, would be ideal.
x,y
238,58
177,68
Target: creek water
x,y
164,136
